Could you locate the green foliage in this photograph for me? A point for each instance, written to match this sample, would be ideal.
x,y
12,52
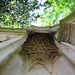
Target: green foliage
x,y
15,13
56,10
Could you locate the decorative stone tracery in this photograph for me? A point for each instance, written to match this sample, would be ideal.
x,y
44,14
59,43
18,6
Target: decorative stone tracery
x,y
39,48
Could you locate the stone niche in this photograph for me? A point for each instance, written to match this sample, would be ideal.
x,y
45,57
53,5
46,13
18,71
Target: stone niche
x,y
39,48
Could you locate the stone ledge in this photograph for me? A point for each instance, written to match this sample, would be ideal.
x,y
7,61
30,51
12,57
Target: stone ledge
x,y
7,48
68,50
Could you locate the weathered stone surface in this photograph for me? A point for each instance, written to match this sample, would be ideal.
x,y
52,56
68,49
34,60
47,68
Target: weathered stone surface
x,y
68,51
4,36
63,67
18,67
9,47
9,33
39,48
47,29
72,34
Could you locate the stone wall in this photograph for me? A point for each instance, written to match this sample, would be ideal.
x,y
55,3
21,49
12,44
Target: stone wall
x,y
72,37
